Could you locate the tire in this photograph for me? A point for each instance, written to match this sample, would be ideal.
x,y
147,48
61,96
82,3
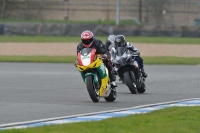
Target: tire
x,y
94,95
129,82
142,89
112,96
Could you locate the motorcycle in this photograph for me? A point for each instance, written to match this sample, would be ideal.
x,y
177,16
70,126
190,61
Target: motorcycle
x,y
128,70
95,75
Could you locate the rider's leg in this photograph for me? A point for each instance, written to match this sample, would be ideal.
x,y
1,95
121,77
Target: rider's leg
x,y
141,65
110,71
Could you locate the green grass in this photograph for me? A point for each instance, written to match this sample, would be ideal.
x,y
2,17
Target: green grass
x,y
39,59
172,60
169,120
71,59
164,40
39,39
111,22
133,39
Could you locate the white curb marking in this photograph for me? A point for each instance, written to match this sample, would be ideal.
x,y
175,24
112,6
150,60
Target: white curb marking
x,y
102,115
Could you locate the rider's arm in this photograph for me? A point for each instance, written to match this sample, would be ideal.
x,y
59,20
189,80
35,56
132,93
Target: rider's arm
x,y
102,49
79,48
132,48
107,44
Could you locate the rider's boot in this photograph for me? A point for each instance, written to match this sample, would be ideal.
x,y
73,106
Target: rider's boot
x,y
113,84
112,76
112,79
144,74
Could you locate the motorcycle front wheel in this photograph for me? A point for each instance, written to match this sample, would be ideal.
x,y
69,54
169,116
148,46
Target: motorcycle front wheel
x,y
94,94
129,82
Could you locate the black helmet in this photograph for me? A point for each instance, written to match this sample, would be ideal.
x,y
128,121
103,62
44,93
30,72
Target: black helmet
x,y
120,41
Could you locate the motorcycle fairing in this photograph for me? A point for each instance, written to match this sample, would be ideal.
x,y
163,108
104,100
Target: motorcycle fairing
x,y
86,56
87,69
103,71
122,56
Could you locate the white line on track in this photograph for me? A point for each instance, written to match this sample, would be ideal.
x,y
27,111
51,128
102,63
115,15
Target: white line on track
x,y
96,116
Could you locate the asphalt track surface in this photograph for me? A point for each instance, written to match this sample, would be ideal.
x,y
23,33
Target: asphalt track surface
x,y
34,91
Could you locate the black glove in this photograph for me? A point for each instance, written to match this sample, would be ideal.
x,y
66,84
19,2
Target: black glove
x,y
103,56
75,63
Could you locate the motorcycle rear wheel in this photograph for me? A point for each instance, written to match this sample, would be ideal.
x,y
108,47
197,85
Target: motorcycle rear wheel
x,y
142,89
94,94
112,96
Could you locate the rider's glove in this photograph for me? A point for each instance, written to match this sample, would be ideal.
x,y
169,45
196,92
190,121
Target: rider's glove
x,y
103,56
113,50
75,63
129,45
136,51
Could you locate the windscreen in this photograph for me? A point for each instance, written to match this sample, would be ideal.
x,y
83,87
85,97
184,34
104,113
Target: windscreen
x,y
86,51
121,51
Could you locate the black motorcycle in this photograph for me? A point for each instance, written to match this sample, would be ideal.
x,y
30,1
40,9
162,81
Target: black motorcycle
x,y
127,68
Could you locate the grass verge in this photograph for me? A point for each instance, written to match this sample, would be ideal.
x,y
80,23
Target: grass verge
x,y
71,59
94,22
133,39
39,59
172,60
169,120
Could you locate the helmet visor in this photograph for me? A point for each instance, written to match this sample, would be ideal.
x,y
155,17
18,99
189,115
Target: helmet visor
x,y
87,41
119,44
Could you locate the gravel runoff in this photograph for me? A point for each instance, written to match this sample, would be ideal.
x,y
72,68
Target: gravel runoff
x,y
66,49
